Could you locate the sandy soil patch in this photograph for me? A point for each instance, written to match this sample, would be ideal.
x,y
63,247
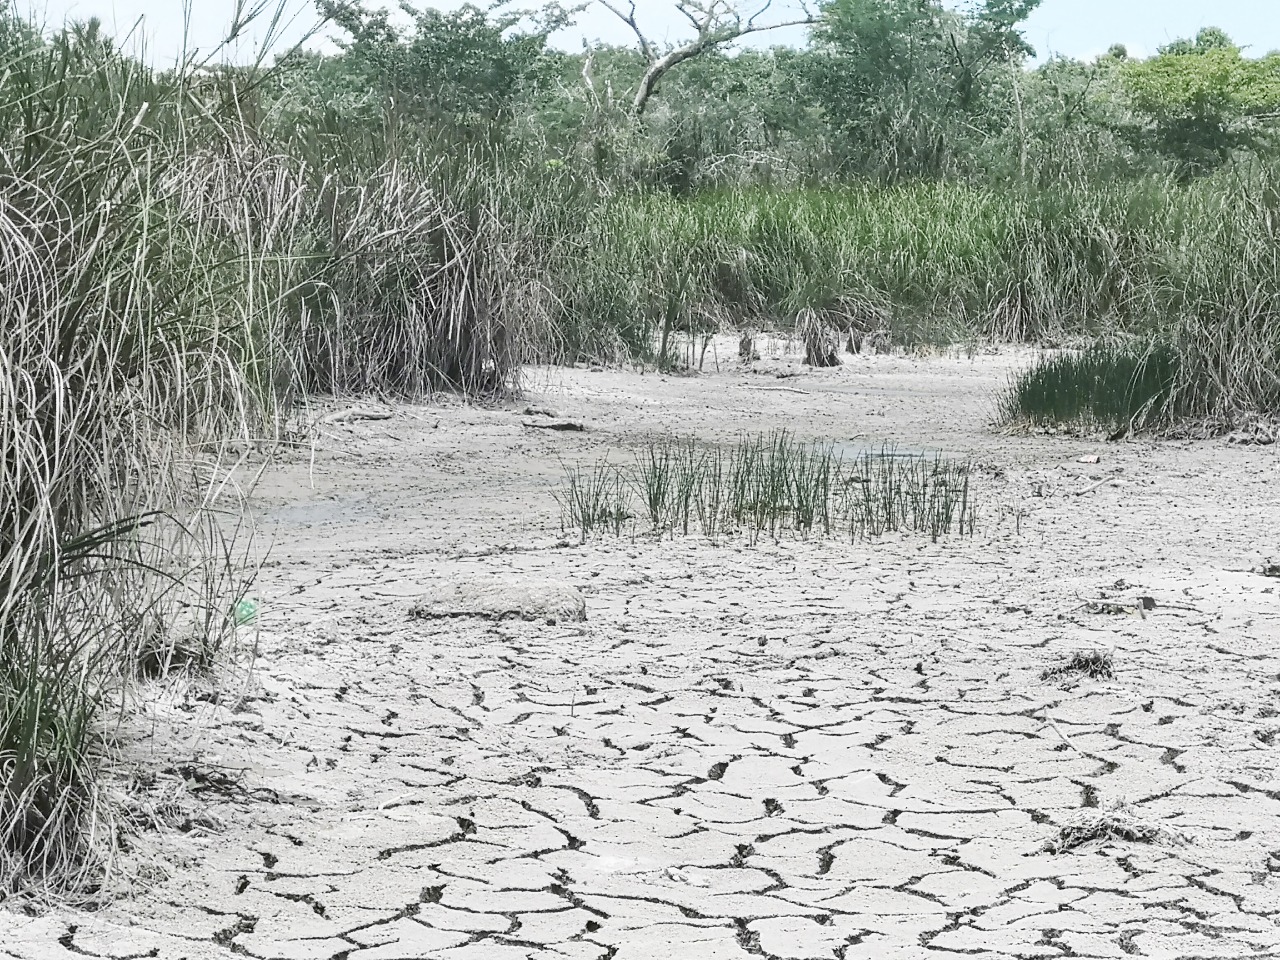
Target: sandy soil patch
x,y
794,750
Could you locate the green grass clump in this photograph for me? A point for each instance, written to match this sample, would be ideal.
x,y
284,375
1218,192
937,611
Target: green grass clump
x,y
1105,387
886,492
768,485
596,499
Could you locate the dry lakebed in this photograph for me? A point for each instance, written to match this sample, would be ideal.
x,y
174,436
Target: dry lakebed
x,y
1058,737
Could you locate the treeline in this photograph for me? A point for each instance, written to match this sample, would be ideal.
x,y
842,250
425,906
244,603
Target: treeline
x,y
910,169
887,90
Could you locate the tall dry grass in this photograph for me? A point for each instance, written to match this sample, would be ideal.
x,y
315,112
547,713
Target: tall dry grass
x,y
172,278
121,357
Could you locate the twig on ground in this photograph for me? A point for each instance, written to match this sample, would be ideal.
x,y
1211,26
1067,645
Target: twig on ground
x,y
1048,719
357,413
803,393
562,425
1094,486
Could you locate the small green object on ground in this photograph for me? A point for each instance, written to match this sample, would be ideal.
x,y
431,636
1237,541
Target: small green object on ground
x,y
246,611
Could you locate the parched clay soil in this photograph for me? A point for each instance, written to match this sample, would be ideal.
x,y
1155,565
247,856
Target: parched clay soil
x,y
794,750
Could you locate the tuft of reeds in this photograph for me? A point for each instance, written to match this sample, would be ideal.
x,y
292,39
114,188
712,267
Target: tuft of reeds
x,y
595,499
1117,389
769,485
1192,266
888,492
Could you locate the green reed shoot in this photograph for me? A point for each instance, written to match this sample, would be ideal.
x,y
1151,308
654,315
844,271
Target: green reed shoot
x,y
770,485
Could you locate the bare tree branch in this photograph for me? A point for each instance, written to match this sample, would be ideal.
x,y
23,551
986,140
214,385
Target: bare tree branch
x,y
751,20
691,17
586,78
629,19
715,22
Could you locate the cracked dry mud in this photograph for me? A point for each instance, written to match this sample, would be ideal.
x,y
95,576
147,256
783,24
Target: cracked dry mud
x,y
796,750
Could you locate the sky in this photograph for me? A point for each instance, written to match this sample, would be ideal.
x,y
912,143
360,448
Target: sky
x,y
1075,28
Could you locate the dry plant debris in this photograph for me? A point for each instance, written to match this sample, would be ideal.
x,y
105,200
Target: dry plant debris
x,y
497,598
1117,824
1095,664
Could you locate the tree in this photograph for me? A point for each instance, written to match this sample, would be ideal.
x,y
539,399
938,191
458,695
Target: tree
x,y
1067,112
1202,100
1209,38
715,23
735,118
464,66
907,81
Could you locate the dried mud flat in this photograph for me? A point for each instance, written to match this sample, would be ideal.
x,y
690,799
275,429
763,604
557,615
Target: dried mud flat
x,y
796,750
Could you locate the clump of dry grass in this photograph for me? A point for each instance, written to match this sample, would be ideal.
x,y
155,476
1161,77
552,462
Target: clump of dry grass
x,y
1103,829
112,373
1095,664
1117,824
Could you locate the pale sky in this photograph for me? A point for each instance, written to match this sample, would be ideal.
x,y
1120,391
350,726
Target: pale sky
x,y
1078,28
